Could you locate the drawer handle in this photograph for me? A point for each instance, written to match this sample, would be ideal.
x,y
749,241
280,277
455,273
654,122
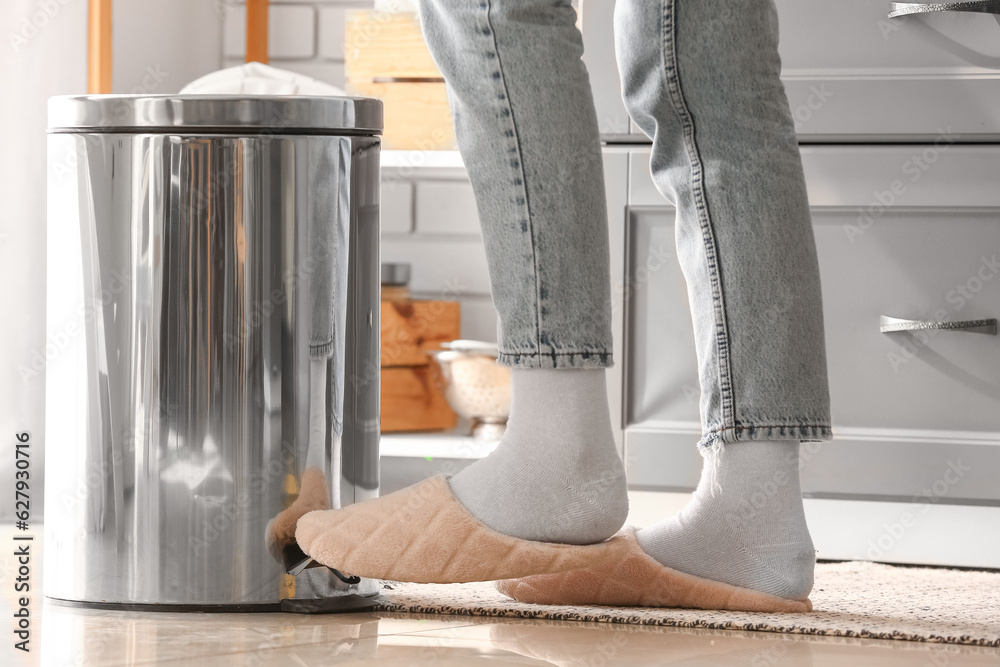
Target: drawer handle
x,y
897,9
892,324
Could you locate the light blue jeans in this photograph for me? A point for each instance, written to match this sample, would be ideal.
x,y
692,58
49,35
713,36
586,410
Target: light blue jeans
x,y
700,77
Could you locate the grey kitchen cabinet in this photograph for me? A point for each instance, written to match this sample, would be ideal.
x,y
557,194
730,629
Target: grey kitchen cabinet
x,y
912,474
852,74
900,136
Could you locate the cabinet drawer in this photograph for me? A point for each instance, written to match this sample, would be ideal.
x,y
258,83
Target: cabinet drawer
x,y
916,264
851,72
908,410
919,264
907,407
920,246
921,175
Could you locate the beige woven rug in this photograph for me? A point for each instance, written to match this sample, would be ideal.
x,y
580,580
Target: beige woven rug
x,y
850,600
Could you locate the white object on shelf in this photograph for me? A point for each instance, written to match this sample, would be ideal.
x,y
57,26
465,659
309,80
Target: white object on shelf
x,y
447,445
396,6
420,159
258,79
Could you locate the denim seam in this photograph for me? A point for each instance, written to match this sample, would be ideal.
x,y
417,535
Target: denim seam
x,y
798,424
800,429
601,350
672,82
488,4
583,359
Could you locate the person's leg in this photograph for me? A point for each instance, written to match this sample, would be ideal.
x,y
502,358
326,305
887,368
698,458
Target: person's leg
x,y
528,134
553,492
701,78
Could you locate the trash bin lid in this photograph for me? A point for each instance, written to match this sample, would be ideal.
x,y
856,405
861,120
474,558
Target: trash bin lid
x,y
275,114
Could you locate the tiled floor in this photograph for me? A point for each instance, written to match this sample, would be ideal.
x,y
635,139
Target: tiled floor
x,y
109,639
81,637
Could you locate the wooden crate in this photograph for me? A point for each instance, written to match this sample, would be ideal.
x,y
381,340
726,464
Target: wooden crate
x,y
416,115
412,400
379,45
385,57
410,328
411,387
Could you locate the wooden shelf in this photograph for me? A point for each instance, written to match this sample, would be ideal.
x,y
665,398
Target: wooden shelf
x,y
422,159
437,445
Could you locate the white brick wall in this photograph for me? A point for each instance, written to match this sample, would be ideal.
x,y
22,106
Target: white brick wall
x,y
331,32
304,37
396,206
445,207
429,220
291,32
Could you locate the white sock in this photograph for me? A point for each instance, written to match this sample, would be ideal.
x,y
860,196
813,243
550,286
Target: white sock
x,y
556,475
751,532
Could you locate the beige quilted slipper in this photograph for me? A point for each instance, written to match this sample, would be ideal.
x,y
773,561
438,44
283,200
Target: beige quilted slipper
x,y
639,581
425,535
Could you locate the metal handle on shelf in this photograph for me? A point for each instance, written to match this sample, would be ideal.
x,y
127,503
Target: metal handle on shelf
x,y
892,324
897,9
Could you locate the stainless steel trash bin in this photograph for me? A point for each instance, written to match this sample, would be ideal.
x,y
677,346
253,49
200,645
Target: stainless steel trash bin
x,y
213,284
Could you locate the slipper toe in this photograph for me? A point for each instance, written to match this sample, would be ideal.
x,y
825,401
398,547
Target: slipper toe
x,y
637,580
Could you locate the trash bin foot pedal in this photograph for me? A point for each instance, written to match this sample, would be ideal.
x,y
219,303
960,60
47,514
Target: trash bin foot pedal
x,y
334,605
